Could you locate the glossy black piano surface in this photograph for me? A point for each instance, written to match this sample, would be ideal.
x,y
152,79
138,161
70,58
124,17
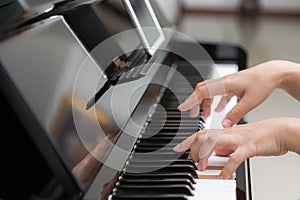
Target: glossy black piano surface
x,y
51,65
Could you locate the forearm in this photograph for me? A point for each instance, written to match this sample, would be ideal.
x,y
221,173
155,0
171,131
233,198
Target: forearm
x,y
289,78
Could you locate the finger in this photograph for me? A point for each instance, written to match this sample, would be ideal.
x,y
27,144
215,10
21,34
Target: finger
x,y
189,103
197,143
203,162
185,145
195,148
205,89
226,144
206,106
223,102
210,141
233,163
227,140
204,143
195,111
212,87
237,112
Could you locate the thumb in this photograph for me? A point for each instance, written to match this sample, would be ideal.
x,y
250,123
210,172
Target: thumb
x,y
236,113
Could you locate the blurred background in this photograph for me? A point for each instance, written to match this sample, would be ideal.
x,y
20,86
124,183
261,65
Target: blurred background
x,y
268,29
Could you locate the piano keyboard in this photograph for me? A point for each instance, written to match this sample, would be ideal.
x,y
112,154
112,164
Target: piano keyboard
x,y
155,171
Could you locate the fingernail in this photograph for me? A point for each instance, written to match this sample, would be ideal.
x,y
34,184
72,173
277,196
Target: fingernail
x,y
218,110
227,123
220,177
179,107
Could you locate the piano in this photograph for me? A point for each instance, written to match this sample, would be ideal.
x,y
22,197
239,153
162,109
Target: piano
x,y
56,56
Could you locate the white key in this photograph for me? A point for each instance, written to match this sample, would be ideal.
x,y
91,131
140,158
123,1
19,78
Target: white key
x,y
212,189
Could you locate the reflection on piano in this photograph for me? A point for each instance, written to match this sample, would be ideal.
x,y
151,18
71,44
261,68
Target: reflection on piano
x,y
122,148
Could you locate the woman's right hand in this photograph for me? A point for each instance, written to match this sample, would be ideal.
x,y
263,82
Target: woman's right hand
x,y
251,86
272,137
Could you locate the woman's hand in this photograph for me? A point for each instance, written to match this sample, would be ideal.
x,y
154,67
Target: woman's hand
x,y
251,86
271,137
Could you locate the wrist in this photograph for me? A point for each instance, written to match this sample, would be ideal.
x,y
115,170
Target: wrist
x,y
278,72
274,72
290,135
284,72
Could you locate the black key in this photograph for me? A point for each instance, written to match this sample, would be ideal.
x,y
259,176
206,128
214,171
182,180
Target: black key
x,y
201,119
151,144
185,176
162,139
192,120
157,144
183,125
162,169
175,129
152,149
162,162
168,182
167,134
160,114
172,112
172,116
160,156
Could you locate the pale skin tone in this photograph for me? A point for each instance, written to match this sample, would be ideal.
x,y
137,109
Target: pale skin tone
x,y
85,171
265,138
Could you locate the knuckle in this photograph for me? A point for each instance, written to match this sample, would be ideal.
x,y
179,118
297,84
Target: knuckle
x,y
228,80
195,97
235,114
199,85
200,134
198,140
198,99
210,139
